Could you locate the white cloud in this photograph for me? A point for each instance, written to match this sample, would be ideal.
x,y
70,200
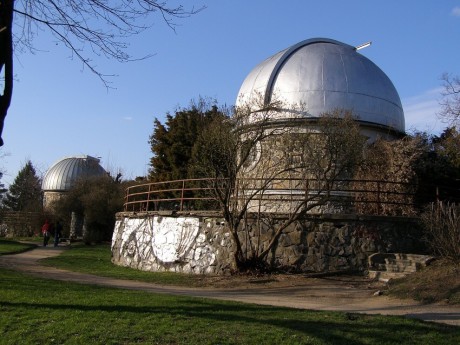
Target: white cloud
x,y
128,118
421,112
456,11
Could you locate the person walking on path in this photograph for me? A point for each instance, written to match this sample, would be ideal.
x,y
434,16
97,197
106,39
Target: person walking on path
x,y
46,233
57,233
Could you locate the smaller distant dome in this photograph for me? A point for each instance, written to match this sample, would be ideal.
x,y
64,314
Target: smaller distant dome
x,y
63,174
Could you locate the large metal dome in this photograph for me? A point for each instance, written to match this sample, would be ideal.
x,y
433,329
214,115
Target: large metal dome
x,y
63,174
322,75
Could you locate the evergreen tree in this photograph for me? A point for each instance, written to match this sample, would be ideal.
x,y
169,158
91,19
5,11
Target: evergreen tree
x,y
25,192
438,168
84,27
2,189
172,142
97,199
159,141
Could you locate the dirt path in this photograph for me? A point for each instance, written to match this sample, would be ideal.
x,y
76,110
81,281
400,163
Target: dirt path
x,y
338,294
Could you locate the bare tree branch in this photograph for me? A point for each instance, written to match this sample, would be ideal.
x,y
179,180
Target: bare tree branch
x,y
450,103
85,27
264,170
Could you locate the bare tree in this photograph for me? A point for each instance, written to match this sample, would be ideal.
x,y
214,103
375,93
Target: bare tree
x,y
450,103
224,152
261,169
86,27
317,165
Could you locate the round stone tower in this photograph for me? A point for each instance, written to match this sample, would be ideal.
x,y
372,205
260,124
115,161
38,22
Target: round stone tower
x,y
288,93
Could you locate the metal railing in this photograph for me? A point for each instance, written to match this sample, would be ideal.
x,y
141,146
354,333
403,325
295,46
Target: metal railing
x,y
176,195
364,196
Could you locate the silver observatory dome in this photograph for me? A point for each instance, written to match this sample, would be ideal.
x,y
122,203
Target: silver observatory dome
x,y
323,75
63,174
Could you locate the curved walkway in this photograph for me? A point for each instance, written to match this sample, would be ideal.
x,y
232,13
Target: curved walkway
x,y
315,294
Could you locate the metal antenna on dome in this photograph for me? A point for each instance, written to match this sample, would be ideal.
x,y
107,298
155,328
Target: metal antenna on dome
x,y
364,45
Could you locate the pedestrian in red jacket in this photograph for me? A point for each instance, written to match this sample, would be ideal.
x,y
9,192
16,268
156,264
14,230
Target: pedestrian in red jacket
x,y
46,233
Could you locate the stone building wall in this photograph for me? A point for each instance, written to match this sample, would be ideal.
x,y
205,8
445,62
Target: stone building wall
x,y
49,197
202,245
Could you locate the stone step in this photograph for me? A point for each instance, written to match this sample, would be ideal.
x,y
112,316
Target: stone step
x,y
385,266
402,256
423,260
380,267
400,261
407,262
398,267
384,276
395,265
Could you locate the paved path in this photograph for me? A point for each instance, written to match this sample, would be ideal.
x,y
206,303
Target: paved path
x,y
316,294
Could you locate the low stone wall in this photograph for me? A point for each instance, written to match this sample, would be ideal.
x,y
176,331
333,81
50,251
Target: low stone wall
x,y
189,244
202,244
342,243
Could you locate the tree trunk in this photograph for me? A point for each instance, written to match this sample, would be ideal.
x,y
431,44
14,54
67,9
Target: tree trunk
x,y
6,58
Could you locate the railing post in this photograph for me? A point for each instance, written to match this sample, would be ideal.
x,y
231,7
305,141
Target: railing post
x,y
182,196
125,206
127,199
148,198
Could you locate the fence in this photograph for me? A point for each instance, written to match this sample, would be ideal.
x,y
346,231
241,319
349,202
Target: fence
x,y
364,196
20,224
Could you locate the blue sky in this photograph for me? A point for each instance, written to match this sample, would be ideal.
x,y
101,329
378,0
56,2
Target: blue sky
x,y
61,109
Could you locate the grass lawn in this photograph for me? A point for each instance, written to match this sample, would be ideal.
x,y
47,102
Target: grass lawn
x,y
12,247
440,281
38,311
96,260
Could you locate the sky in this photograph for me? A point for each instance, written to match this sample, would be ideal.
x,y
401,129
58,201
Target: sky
x,y
61,109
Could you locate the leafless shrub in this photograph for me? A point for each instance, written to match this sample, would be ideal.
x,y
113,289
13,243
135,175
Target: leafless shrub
x,y
442,225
